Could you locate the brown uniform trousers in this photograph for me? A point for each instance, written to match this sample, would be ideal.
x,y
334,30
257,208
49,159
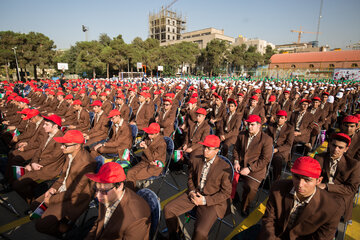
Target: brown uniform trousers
x,y
156,150
217,192
230,129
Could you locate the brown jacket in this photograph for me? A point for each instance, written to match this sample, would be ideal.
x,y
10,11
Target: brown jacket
x,y
285,139
122,139
217,187
259,110
100,128
167,122
257,156
156,150
37,138
83,122
61,109
315,222
354,148
194,137
143,115
124,112
79,189
346,179
230,129
306,126
130,220
107,107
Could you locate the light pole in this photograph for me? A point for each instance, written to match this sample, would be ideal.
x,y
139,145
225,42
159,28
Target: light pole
x,y
17,65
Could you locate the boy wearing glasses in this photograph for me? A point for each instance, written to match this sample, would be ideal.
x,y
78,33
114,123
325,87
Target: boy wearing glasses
x,y
46,163
70,195
122,213
166,118
209,189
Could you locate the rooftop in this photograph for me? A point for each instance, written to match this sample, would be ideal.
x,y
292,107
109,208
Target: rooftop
x,y
333,56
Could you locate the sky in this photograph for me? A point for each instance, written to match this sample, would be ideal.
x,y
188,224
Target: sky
x,y
270,20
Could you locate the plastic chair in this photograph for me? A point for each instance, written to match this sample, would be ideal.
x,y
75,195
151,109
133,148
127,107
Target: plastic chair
x,y
152,199
134,132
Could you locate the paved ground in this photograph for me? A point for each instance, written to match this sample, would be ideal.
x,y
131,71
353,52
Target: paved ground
x,y
16,228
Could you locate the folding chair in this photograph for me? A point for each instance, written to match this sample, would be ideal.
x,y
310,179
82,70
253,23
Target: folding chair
x,y
153,200
192,213
165,172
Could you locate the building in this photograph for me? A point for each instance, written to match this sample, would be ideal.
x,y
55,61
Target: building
x,y
202,37
313,64
258,43
301,47
166,25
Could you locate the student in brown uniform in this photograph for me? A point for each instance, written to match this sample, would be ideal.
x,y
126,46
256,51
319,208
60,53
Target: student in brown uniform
x,y
252,154
341,174
153,157
107,105
82,120
318,121
62,106
121,138
196,134
230,127
218,112
349,126
295,209
302,120
255,108
122,107
286,103
122,213
209,189
271,109
70,195
143,114
282,133
133,101
189,114
47,162
166,118
99,126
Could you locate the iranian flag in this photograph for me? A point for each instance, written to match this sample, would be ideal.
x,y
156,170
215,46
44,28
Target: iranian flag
x,y
126,155
178,154
159,163
63,129
38,211
18,171
16,133
2,95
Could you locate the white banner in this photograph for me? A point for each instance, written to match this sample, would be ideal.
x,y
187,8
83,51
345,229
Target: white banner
x,y
63,66
346,74
138,65
160,68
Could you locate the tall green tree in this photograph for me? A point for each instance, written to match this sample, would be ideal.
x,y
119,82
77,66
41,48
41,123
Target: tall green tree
x,y
88,58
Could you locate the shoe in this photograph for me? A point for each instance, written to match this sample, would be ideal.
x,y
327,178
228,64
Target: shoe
x,y
245,213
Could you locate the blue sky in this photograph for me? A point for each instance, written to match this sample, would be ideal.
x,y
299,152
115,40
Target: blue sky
x,y
270,20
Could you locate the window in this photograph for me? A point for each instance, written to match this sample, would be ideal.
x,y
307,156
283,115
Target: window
x,y
173,37
168,29
354,65
331,65
168,37
293,66
168,21
174,23
276,66
311,66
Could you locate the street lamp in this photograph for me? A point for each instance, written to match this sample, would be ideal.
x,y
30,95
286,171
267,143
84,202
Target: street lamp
x,y
17,65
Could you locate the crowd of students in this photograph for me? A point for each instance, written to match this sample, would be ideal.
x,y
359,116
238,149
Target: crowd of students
x,y
59,135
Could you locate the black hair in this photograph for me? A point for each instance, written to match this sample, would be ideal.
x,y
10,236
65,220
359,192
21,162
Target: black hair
x,y
47,120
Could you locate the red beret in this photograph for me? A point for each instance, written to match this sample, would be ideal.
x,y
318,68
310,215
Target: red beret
x,y
272,98
326,93
103,94
24,111
281,113
32,113
286,91
77,102
168,100
240,94
316,99
230,100
178,87
305,100
342,136
97,103
211,141
69,96
110,172
113,113
213,87
350,119
145,94
254,98
201,111
120,95
54,118
253,118
192,100
71,136
257,91
152,129
93,93
306,166
60,94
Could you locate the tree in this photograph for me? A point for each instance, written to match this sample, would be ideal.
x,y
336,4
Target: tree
x,y
89,57
269,51
252,58
117,53
237,56
8,40
215,55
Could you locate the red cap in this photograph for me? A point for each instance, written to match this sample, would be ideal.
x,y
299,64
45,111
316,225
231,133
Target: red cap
x,y
306,166
60,93
24,100
342,136
113,112
54,118
145,94
272,98
156,92
82,91
316,99
358,116
253,118
218,96
32,113
230,100
93,93
201,111
168,100
257,91
350,119
192,100
131,90
71,136
286,91
211,141
171,95
145,88
103,94
24,111
69,96
240,94
77,102
120,96
97,103
213,87
281,113
152,129
177,87
110,172
326,93
255,98
51,93
305,100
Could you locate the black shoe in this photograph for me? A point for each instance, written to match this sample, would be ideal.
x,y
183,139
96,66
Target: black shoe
x,y
245,213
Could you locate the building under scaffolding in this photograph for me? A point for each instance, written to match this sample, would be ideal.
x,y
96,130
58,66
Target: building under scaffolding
x,y
166,25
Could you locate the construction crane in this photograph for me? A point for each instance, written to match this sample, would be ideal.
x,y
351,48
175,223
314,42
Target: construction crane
x,y
301,32
168,6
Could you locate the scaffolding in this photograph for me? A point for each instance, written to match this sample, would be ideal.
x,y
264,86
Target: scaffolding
x,y
166,25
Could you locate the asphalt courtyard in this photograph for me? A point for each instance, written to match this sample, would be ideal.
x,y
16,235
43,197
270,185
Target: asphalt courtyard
x,y
21,227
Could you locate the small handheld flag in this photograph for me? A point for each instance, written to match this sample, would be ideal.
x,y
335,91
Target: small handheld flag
x,y
126,155
159,163
178,155
18,171
38,211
